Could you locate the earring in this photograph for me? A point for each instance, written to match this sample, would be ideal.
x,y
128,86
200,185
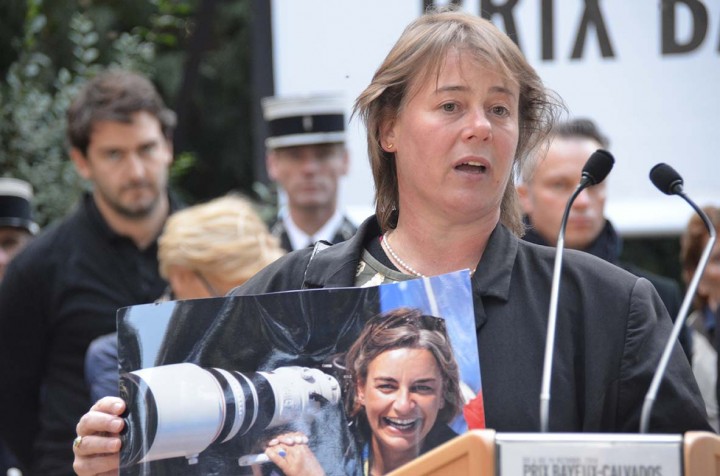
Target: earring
x,y
390,146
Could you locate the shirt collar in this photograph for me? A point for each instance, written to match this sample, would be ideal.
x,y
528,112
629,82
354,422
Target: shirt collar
x,y
299,239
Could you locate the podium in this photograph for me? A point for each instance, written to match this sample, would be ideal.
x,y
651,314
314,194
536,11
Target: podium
x,y
487,453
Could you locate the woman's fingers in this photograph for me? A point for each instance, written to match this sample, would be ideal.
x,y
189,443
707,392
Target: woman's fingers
x,y
294,438
112,405
293,456
97,465
102,419
97,447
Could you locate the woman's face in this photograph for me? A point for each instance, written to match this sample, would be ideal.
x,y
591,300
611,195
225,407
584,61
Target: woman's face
x,y
402,396
454,141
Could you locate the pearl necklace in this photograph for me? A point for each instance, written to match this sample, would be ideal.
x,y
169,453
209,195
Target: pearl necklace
x,y
403,264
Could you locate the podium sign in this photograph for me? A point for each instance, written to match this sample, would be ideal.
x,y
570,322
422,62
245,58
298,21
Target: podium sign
x,y
573,454
487,453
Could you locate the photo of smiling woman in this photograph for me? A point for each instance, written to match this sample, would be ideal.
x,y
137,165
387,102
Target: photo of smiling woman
x,y
402,391
406,388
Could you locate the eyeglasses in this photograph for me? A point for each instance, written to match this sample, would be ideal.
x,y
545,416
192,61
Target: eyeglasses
x,y
208,287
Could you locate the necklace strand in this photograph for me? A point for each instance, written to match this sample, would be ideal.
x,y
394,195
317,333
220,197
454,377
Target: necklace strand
x,y
403,264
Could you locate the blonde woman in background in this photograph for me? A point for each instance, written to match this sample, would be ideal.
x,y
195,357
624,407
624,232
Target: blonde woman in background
x,y
204,251
208,249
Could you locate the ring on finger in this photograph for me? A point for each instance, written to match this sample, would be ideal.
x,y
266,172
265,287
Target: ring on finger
x,y
77,441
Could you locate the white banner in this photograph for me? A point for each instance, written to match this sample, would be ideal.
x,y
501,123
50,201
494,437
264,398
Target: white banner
x,y
647,71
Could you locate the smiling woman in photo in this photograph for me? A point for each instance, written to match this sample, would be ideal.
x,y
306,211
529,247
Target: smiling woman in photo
x,y
403,391
406,388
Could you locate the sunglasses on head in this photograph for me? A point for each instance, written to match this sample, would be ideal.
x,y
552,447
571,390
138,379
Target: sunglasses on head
x,y
419,321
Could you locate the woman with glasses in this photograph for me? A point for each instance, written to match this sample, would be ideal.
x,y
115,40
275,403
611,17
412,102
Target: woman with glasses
x,y
452,113
208,249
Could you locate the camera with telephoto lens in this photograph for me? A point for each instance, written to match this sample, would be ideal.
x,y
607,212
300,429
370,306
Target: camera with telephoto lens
x,y
180,410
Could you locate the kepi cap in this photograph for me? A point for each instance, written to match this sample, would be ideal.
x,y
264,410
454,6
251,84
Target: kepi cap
x,y
15,204
304,120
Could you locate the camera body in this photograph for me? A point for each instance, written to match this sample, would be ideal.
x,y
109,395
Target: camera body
x,y
180,410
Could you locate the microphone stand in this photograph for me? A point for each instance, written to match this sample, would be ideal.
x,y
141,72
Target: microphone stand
x,y
595,170
552,313
680,319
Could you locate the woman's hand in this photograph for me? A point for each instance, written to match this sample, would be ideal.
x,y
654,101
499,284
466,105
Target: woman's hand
x,y
292,455
97,447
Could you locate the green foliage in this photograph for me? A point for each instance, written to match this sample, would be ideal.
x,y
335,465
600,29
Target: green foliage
x,y
33,101
196,52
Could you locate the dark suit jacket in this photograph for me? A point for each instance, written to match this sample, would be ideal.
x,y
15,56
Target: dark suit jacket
x,y
344,232
608,246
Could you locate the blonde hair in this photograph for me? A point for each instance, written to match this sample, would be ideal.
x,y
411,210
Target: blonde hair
x,y
417,55
224,237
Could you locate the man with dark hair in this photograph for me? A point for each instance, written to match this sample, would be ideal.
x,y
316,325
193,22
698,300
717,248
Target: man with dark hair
x,y
64,289
306,156
547,183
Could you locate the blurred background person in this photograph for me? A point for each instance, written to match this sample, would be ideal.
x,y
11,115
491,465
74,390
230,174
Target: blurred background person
x,y
548,180
16,230
704,318
306,157
208,249
64,289
16,221
204,251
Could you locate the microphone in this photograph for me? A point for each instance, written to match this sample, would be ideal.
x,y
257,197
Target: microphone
x,y
668,181
595,170
597,167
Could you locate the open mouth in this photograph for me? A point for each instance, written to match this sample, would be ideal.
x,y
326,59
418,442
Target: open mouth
x,y
471,167
402,424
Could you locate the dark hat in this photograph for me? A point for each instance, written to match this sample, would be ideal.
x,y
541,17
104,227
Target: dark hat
x,y
15,208
304,120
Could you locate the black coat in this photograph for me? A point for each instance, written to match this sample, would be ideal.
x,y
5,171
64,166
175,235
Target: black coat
x,y
608,246
59,294
612,328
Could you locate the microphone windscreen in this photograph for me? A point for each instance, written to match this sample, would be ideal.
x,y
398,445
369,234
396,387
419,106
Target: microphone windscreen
x,y
598,166
665,178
